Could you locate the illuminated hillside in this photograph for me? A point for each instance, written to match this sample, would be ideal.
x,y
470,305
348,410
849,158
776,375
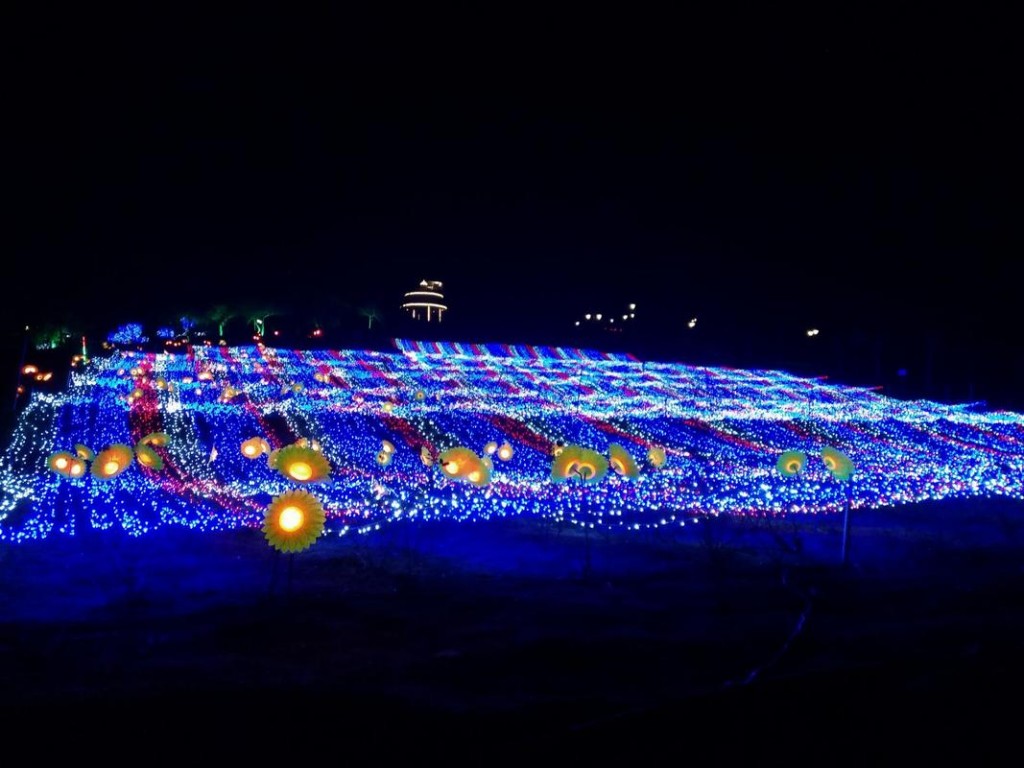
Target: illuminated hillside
x,y
470,432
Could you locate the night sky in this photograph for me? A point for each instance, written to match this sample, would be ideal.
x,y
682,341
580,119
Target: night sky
x,y
843,172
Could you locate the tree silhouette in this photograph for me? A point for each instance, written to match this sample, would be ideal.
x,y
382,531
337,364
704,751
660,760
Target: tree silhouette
x,y
221,314
371,313
258,317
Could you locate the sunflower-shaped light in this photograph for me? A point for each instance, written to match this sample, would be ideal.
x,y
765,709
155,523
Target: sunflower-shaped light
x,y
592,466
112,461
77,468
84,452
575,461
147,456
565,463
621,461
293,521
304,465
60,462
656,455
384,457
155,438
253,447
791,463
490,448
480,475
420,395
837,462
458,461
505,451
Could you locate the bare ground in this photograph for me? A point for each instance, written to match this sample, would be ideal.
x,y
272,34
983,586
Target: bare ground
x,y
732,638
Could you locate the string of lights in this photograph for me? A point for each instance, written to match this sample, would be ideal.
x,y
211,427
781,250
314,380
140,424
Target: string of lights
x,y
472,432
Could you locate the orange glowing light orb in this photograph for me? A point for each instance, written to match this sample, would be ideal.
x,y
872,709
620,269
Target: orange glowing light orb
x,y
251,450
452,468
300,470
505,452
61,462
77,469
290,519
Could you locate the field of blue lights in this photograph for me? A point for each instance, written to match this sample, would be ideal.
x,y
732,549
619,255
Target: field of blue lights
x,y
216,438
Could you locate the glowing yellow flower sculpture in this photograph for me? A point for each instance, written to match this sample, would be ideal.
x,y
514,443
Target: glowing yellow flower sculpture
x,y
420,395
84,452
60,462
458,461
656,455
791,463
384,457
837,462
293,521
505,452
490,448
253,447
304,465
463,464
77,468
579,462
148,457
112,461
621,461
155,438
480,475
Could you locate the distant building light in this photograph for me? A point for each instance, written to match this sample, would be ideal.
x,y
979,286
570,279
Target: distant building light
x,y
812,331
692,323
632,307
427,297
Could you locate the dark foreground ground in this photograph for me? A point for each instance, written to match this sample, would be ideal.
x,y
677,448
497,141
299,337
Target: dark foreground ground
x,y
477,642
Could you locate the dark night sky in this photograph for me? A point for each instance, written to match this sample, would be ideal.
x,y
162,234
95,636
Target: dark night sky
x,y
836,170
